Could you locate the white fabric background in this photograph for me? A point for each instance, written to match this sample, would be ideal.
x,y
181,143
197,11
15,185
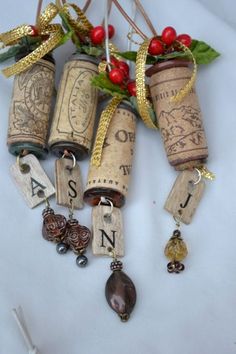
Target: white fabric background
x,y
191,313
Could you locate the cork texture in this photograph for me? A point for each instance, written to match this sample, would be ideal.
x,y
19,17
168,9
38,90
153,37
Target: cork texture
x,y
76,105
115,169
31,104
180,123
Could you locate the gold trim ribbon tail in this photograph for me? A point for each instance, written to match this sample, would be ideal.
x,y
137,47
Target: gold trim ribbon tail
x,y
104,123
186,89
44,28
206,173
143,103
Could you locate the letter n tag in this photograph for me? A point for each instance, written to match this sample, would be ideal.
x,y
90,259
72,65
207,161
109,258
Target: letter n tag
x,y
32,181
185,196
107,231
69,189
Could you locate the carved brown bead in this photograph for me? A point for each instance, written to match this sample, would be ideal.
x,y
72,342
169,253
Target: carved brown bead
x,y
77,236
54,226
121,294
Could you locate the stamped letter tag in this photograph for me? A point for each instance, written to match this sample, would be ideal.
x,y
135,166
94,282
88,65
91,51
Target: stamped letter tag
x,y
185,196
107,231
69,189
31,180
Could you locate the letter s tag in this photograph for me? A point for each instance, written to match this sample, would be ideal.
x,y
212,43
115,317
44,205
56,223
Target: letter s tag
x,y
69,189
185,196
107,231
31,180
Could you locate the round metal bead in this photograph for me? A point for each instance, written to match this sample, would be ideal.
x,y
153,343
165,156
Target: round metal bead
x,y
62,248
81,261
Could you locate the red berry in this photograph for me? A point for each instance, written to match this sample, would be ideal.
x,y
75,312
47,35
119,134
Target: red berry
x,y
97,35
124,67
34,31
184,39
116,76
114,61
111,31
168,35
131,87
155,47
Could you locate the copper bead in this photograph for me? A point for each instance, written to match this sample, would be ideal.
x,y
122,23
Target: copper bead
x,y
77,236
121,294
54,226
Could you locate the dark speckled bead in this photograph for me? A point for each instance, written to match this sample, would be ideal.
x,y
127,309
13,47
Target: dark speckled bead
x,y
121,294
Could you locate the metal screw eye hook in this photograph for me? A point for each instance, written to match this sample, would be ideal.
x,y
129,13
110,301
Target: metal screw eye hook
x,y
66,153
199,176
47,202
177,221
112,253
71,210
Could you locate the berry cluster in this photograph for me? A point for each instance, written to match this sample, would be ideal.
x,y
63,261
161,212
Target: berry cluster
x,y
168,41
97,34
119,75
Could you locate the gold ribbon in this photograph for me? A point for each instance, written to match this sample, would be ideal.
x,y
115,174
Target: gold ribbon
x,y
104,123
143,104
206,173
186,89
54,31
81,24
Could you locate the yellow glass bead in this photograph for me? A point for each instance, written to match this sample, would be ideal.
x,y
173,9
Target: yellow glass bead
x,y
176,249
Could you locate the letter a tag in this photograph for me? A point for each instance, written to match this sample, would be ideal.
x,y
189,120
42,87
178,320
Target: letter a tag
x,y
107,231
185,196
31,180
69,190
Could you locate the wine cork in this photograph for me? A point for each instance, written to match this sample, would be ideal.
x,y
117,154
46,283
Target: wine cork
x,y
75,111
180,123
30,109
114,172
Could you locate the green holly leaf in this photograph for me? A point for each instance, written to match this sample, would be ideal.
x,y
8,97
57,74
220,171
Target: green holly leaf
x,y
132,56
102,82
10,53
94,51
152,114
67,36
202,52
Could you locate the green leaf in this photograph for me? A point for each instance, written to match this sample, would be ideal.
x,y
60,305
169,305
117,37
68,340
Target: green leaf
x,y
102,82
152,114
94,51
65,38
10,53
202,52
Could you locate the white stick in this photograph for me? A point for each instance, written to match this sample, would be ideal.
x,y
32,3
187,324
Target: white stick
x,y
131,30
106,30
19,318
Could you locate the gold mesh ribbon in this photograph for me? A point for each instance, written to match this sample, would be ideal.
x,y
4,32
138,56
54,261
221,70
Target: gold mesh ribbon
x,y
54,31
81,24
143,104
206,173
186,89
104,123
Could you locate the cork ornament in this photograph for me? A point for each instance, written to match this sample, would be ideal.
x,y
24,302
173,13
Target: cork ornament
x,y
72,127
166,90
110,167
29,118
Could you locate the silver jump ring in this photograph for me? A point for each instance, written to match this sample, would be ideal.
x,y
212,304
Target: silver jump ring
x,y
199,177
107,201
73,158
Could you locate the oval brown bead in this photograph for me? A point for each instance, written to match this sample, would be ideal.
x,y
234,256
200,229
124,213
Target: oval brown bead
x,y
121,294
